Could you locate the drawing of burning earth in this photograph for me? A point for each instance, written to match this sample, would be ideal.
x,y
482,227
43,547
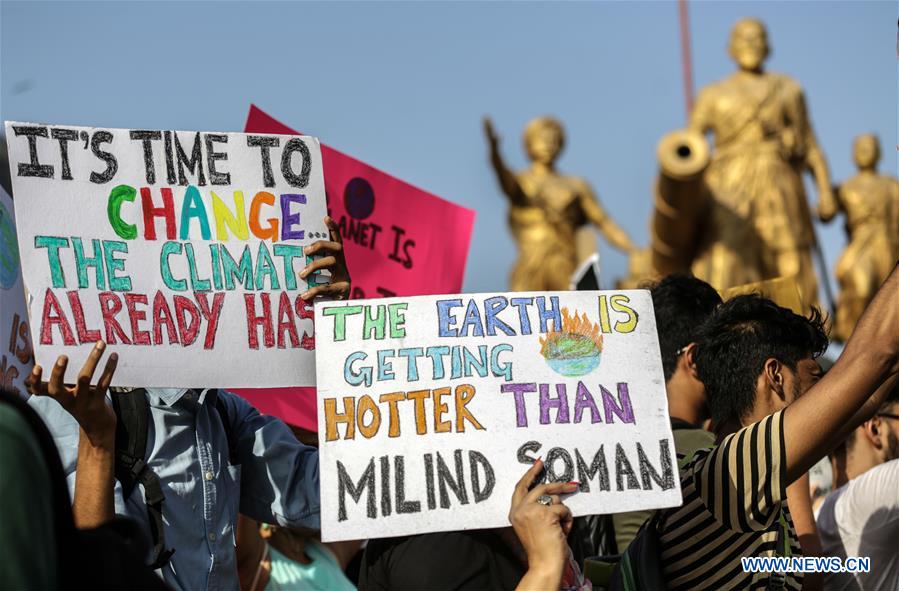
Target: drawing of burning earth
x,y
575,350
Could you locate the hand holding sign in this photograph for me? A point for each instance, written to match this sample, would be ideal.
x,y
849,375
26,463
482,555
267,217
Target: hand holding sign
x,y
542,529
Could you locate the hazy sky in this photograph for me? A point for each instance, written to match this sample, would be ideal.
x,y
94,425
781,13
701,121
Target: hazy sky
x,y
403,86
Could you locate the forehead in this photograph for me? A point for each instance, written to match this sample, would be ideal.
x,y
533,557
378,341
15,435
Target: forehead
x,y
748,30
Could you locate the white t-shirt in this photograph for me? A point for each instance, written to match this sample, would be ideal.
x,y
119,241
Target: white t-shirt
x,y
861,518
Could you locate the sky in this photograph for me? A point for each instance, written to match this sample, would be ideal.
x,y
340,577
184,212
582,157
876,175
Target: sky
x,y
403,86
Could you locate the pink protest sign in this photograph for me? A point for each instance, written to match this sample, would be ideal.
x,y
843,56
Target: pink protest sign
x,y
399,239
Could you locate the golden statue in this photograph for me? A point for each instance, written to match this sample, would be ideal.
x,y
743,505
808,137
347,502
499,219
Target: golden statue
x,y
758,224
870,202
546,209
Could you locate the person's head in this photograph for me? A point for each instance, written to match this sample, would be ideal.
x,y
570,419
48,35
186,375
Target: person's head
x,y
544,139
756,357
866,151
749,44
681,304
876,440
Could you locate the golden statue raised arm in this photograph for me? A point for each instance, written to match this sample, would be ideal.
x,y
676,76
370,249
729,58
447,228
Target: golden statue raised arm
x,y
546,209
870,202
759,216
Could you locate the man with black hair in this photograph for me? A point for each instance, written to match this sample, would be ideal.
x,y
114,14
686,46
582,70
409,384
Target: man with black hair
x,y
757,362
681,304
861,518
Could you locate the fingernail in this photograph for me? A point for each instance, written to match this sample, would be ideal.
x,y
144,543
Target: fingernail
x,y
114,356
61,361
539,459
306,250
100,345
305,295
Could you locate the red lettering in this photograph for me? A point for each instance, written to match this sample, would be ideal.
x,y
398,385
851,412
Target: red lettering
x,y
306,312
51,305
162,316
141,337
286,322
110,305
253,321
187,329
167,211
84,335
211,316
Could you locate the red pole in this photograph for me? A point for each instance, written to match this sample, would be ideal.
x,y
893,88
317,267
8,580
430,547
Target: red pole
x,y
686,60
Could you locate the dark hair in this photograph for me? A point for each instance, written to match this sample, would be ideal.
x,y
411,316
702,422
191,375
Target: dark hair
x,y
681,304
737,339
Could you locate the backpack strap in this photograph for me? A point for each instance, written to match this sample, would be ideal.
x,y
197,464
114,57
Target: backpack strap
x,y
782,548
132,411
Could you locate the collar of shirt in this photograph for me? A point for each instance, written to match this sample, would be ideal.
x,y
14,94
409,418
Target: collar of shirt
x,y
170,396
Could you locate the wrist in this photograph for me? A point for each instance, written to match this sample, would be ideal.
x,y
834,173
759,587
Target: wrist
x,y
102,442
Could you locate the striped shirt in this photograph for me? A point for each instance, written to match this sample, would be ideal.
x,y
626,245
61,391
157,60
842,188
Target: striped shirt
x,y
734,495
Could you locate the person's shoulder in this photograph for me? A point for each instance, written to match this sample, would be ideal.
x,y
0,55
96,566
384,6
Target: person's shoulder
x,y
787,83
881,481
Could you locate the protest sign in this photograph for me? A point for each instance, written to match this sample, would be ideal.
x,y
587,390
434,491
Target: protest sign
x,y
399,240
431,408
16,359
180,249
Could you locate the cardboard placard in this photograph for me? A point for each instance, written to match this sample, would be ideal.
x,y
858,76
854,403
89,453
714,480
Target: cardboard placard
x,y
431,408
180,249
16,358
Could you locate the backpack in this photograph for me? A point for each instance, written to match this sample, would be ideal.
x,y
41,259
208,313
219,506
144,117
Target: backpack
x,y
132,409
106,557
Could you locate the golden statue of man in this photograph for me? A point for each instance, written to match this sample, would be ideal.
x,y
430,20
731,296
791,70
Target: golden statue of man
x,y
870,202
759,219
546,209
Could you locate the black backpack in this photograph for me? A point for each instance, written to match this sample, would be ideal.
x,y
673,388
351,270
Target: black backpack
x,y
132,411
106,557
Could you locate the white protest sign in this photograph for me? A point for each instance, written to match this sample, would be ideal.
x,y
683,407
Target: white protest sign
x,y
180,249
16,358
432,408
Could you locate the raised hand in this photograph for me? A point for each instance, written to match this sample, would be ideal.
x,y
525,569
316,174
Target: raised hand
x,y
86,403
541,528
335,262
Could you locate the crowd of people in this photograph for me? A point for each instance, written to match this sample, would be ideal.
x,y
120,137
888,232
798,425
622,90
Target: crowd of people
x,y
192,489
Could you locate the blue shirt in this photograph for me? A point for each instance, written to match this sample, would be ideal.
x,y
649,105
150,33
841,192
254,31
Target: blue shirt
x,y
275,479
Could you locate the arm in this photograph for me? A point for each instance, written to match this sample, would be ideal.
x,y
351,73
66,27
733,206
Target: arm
x,y
279,481
507,180
800,503
597,216
807,147
701,116
852,390
94,481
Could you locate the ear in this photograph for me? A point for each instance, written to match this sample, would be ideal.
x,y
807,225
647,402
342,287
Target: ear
x,y
689,363
773,372
871,431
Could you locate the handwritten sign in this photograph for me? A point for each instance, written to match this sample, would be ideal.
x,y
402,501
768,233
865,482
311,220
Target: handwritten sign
x,y
16,359
431,408
180,249
399,239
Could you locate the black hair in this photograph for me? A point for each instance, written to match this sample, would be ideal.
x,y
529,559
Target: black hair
x,y
681,303
737,339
